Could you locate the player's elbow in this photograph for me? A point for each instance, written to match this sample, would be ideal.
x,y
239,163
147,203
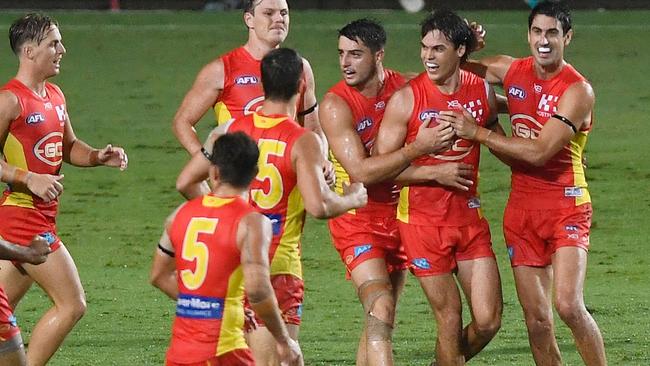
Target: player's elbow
x,y
317,209
156,278
184,185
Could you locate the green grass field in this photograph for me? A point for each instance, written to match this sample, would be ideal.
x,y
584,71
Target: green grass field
x,y
124,76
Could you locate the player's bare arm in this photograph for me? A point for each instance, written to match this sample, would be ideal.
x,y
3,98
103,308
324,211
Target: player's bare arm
x,y
319,200
492,68
45,186
79,153
254,235
198,100
454,175
337,121
191,181
574,107
163,267
36,253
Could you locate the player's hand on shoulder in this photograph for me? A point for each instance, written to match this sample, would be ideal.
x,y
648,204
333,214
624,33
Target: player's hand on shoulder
x,y
37,251
430,140
113,156
357,193
289,353
455,175
46,186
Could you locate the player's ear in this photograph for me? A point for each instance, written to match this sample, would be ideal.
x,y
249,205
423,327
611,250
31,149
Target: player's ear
x,y
461,50
568,37
379,56
27,50
248,20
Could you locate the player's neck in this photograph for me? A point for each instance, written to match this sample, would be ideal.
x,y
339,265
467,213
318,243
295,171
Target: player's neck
x,y
450,84
31,80
274,107
226,190
547,72
258,49
374,85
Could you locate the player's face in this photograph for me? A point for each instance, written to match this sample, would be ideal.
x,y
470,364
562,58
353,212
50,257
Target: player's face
x,y
547,40
270,21
440,58
358,63
47,55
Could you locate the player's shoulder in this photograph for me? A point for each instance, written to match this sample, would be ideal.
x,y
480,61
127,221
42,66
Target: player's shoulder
x,y
10,107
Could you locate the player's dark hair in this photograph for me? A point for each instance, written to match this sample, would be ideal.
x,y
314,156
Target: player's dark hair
x,y
31,27
249,6
554,9
236,155
368,31
281,74
454,28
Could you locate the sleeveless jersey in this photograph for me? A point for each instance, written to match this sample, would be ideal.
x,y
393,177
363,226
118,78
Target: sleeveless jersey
x,y
274,191
242,92
431,203
209,309
35,141
531,101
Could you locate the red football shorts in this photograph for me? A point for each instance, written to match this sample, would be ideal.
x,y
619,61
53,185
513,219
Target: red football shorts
x,y
290,292
360,238
238,357
533,236
20,224
8,326
434,250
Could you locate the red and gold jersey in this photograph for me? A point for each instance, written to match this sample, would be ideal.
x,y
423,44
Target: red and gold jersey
x,y
274,192
242,92
367,114
531,102
35,140
431,203
209,309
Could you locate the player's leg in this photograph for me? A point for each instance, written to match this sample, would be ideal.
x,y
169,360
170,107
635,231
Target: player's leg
x,y
534,292
377,296
59,278
444,298
569,269
15,282
479,279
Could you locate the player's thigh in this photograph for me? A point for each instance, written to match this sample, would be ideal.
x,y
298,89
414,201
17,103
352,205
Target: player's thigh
x,y
480,281
441,292
58,277
569,270
369,270
534,290
14,281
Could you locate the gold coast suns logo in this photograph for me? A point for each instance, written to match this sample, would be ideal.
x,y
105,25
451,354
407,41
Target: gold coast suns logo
x,y
525,126
254,105
49,149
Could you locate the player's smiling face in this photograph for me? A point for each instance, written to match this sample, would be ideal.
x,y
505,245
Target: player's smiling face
x,y
547,40
270,21
47,54
439,57
357,62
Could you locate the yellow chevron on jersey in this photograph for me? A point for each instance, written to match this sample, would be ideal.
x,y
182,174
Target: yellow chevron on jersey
x,y
232,323
221,113
577,146
342,176
286,259
403,205
15,155
261,121
214,201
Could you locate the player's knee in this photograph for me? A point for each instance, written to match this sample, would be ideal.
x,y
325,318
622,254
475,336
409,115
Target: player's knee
x,y
378,330
569,310
487,327
75,309
539,325
376,297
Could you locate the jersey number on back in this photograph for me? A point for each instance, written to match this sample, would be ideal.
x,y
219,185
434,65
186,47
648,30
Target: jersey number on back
x,y
269,172
195,250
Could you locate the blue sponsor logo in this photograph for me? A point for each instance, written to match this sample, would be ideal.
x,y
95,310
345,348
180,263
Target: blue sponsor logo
x,y
517,92
49,237
511,251
199,307
430,113
474,202
364,124
246,80
360,249
571,228
276,223
421,263
34,118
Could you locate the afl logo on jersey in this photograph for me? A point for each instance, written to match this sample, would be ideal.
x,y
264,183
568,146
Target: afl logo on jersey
x,y
246,80
35,118
49,149
424,115
364,124
517,92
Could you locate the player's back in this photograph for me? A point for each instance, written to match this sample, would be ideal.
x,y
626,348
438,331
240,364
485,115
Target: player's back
x,y
561,181
274,191
35,140
432,203
209,310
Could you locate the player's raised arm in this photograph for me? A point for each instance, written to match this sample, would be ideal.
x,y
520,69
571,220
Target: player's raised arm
x,y
573,112
493,68
254,235
319,200
198,100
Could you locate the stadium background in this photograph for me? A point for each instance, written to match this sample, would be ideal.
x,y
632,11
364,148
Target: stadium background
x,y
124,76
